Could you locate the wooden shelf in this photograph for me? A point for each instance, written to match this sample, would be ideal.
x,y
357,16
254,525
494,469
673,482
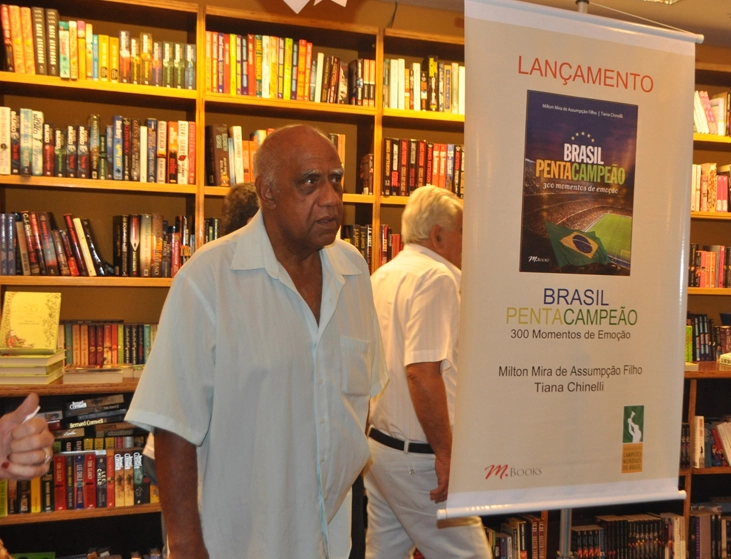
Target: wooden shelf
x,y
717,291
710,370
348,198
60,515
90,184
79,281
394,200
712,471
718,216
58,388
712,138
100,91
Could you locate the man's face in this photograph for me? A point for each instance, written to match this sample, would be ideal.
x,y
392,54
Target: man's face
x,y
309,200
452,243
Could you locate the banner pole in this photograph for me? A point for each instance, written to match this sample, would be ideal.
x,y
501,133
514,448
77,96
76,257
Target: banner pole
x,y
564,541
582,6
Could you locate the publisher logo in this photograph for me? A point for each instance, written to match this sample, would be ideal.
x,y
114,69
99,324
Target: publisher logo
x,y
502,471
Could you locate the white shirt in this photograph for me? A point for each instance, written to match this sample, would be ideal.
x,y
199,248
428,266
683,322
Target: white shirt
x,y
276,402
417,301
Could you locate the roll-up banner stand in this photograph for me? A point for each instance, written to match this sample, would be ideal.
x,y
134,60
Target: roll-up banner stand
x,y
579,149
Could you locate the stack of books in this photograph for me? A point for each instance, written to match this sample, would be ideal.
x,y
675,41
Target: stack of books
x,y
29,353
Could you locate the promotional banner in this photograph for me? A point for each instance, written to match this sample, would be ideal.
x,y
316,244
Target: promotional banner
x,y
579,150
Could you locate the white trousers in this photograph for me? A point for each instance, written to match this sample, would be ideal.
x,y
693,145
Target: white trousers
x,y
401,516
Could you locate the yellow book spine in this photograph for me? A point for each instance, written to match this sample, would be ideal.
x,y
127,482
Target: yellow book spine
x,y
89,50
35,495
104,58
114,59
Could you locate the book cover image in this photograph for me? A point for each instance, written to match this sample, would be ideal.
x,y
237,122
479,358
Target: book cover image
x,y
578,185
30,322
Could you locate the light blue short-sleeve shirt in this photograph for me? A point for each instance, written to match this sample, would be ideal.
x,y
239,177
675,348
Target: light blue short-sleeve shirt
x,y
276,402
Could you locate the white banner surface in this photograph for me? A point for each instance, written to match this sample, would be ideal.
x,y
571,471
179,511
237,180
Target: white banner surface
x,y
579,143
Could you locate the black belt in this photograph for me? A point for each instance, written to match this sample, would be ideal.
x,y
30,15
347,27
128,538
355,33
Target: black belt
x,y
398,444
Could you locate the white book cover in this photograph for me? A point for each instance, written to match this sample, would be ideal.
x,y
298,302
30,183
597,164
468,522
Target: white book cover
x,y
693,188
455,88
37,143
718,104
461,89
26,140
401,86
416,71
4,140
182,152
143,154
162,151
265,66
701,122
236,134
84,246
393,84
318,77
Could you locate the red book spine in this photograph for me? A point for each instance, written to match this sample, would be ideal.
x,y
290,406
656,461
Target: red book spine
x,y
59,482
90,480
175,253
110,478
192,148
36,241
70,258
74,242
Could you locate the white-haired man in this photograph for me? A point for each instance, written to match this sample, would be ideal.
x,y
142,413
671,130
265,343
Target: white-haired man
x,y
410,436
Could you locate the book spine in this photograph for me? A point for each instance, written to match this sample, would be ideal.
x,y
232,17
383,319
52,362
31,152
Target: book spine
x,y
118,148
69,252
49,149
182,170
5,155
192,149
64,69
84,247
72,144
26,29
37,243
8,62
93,247
39,40
161,160
82,157
133,250
14,143
26,141
114,59
94,152
134,170
17,38
172,152
63,265
134,60
59,152
146,59
37,143
52,41
22,245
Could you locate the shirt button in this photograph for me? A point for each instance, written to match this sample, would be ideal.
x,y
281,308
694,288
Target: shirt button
x,y
320,381
322,421
322,459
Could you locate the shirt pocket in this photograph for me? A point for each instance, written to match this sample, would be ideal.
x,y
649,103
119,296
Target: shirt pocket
x,y
357,358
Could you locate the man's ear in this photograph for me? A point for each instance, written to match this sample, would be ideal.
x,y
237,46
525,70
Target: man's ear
x,y
265,192
435,235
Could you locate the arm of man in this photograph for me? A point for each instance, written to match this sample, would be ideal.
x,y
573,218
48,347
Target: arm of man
x,y
177,474
429,397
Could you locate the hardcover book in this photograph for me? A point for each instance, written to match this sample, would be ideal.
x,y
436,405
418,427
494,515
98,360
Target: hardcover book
x,y
578,190
29,323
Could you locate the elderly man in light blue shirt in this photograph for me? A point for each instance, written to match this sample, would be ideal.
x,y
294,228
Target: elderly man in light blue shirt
x,y
257,387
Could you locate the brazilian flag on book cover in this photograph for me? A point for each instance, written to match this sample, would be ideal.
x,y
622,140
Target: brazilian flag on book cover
x,y
575,247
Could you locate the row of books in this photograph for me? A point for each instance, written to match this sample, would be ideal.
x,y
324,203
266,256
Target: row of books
x,y
709,266
711,112
518,537
84,480
431,85
230,157
32,244
361,237
410,163
636,536
104,343
710,187
37,41
110,432
146,246
685,461
273,67
709,530
705,341
711,442
127,149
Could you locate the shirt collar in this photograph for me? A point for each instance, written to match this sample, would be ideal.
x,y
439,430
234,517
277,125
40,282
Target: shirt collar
x,y
456,272
254,251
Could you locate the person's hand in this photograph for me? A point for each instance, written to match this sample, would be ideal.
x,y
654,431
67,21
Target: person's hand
x,y
441,465
4,552
26,447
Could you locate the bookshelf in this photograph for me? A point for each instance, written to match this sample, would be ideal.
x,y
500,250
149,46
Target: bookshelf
x,y
703,387
141,299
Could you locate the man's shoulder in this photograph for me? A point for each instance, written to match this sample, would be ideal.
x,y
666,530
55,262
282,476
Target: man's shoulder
x,y
348,253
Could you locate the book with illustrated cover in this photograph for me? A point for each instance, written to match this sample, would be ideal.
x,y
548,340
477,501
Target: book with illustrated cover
x,y
29,323
578,186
